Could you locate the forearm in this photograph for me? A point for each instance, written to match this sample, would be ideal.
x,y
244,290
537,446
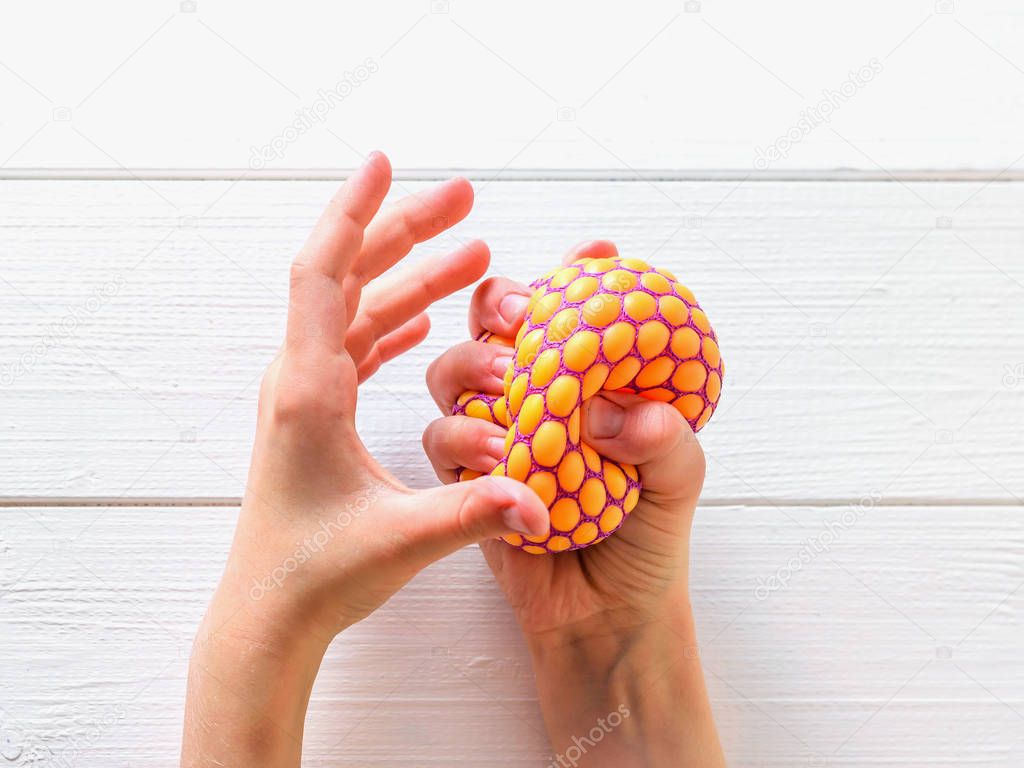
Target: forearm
x,y
249,682
627,697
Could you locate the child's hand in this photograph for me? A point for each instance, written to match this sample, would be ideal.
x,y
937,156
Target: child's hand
x,y
596,618
325,534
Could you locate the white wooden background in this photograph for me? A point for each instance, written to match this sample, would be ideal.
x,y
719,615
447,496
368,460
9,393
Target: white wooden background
x,y
867,289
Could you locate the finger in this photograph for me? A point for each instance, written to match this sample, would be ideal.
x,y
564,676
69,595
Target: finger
x,y
469,365
442,520
393,344
317,309
653,436
498,305
411,220
393,300
460,441
591,249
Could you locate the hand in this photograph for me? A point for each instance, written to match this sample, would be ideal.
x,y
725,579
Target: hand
x,y
325,534
610,616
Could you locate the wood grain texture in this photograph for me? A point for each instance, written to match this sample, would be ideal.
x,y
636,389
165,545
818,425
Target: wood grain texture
x,y
894,641
455,84
872,331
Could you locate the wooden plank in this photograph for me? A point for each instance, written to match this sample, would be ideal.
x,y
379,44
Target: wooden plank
x,y
890,637
475,85
872,351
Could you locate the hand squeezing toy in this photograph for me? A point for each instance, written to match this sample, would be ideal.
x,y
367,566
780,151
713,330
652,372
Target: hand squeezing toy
x,y
609,324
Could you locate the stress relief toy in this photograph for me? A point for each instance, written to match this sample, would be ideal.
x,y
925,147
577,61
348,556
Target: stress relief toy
x,y
609,324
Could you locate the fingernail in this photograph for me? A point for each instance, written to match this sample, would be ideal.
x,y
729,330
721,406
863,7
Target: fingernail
x,y
495,447
513,307
513,518
500,365
605,418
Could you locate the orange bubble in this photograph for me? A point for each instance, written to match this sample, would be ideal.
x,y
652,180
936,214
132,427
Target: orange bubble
x,y
685,293
689,406
714,388
652,339
558,544
530,414
574,427
544,485
469,474
563,324
709,348
517,391
591,458
597,266
652,281
518,462
592,497
631,499
501,412
700,320
571,471
704,417
622,373
510,438
545,308
478,409
660,394
466,395
563,394
602,309
514,539
581,288
581,350
563,277
685,343
673,310
690,376
617,340
528,347
533,549
549,443
636,264
585,534
630,470
565,514
614,480
655,372
594,380
639,305
610,519
619,280
545,366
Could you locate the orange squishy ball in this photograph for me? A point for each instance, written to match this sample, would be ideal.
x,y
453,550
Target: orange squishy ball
x,y
598,325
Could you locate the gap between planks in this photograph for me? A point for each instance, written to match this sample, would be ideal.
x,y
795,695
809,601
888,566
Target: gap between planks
x,y
14,502
524,175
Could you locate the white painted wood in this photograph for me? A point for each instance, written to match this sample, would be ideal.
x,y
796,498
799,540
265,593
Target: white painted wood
x,y
574,85
898,645
871,351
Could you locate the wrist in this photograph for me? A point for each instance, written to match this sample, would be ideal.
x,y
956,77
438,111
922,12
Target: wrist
x,y
626,695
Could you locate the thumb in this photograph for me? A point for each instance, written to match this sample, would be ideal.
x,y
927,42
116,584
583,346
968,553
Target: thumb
x,y
441,520
652,435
